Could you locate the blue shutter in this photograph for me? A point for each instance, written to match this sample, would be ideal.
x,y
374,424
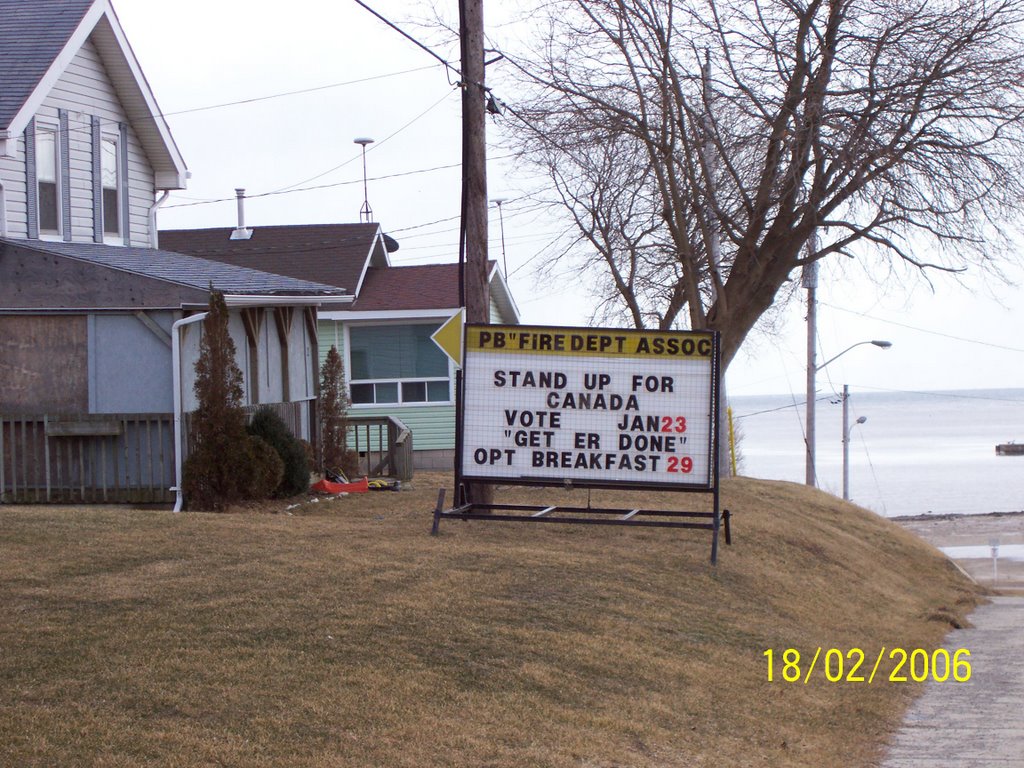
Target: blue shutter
x,y
31,182
97,182
65,175
122,148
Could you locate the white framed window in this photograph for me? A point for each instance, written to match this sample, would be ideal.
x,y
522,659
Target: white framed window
x,y
397,365
47,161
110,174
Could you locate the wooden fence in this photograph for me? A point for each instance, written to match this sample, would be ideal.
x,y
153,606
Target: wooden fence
x,y
129,458
87,458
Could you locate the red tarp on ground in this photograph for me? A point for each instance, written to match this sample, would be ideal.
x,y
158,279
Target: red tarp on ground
x,y
326,486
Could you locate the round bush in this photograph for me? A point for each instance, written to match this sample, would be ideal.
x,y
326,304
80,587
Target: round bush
x,y
265,469
270,427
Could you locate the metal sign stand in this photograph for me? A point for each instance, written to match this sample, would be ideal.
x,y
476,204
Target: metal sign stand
x,y
714,521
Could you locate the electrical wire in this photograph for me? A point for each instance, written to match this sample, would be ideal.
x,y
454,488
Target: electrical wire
x,y
924,330
298,92
409,37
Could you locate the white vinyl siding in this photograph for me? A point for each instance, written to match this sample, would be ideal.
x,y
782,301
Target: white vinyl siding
x,y
12,171
85,90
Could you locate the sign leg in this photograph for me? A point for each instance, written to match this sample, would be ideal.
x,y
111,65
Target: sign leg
x,y
437,512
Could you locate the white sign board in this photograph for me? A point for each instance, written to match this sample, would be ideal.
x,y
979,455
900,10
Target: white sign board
x,y
588,406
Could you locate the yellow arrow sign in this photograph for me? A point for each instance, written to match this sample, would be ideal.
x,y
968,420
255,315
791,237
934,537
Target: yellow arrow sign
x,y
449,337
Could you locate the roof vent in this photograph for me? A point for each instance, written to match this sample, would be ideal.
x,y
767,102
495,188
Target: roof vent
x,y
240,232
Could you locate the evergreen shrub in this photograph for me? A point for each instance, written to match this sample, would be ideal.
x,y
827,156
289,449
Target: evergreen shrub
x,y
333,409
270,427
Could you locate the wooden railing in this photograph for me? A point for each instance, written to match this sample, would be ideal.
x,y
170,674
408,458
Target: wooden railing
x,y
383,444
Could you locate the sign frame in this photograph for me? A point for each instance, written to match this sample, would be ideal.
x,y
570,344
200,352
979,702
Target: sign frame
x,y
708,483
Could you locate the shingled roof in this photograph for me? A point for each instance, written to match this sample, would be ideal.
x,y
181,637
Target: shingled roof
x,y
335,254
183,270
32,34
425,286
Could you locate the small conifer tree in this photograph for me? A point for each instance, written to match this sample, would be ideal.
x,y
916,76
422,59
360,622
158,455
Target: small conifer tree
x,y
219,469
334,404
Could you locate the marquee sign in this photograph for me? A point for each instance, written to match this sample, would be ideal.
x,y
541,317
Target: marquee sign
x,y
589,407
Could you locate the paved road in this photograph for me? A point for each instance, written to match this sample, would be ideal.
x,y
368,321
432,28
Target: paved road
x,y
980,723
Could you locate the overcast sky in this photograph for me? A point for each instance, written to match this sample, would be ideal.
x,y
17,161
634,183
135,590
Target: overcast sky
x,y
337,73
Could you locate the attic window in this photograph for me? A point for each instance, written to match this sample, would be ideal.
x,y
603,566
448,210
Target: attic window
x,y
46,180
111,186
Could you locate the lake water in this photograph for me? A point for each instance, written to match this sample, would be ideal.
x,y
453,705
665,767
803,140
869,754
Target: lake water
x,y
917,453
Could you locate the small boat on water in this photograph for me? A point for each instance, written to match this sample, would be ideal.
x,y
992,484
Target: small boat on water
x,y
1011,448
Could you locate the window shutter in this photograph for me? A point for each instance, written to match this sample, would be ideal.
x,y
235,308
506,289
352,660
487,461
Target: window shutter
x,y
123,160
65,175
31,187
97,183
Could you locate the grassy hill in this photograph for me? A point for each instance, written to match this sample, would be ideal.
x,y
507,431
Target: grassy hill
x,y
342,634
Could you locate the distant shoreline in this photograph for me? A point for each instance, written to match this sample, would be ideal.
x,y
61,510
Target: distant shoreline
x,y
953,516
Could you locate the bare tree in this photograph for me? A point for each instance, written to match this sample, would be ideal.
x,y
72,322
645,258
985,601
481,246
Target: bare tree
x,y
698,144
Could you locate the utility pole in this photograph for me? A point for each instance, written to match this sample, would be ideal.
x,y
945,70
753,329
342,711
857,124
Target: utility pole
x,y
474,161
810,282
473,287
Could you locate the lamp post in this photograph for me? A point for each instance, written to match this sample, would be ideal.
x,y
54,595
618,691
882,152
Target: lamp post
x,y
812,370
847,429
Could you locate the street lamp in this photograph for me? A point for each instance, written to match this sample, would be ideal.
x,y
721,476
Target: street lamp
x,y
846,440
812,370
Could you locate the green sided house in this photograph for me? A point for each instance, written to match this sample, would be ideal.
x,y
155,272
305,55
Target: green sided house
x,y
381,326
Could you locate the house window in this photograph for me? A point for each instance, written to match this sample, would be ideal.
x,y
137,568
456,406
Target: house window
x,y
46,180
397,364
111,183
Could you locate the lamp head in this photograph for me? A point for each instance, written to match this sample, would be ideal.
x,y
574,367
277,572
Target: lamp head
x,y
882,344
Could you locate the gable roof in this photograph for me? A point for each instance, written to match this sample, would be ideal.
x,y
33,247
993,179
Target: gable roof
x,y
40,38
182,270
335,254
32,35
425,286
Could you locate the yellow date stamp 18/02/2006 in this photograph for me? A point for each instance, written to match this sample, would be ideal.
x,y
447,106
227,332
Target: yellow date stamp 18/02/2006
x,y
853,666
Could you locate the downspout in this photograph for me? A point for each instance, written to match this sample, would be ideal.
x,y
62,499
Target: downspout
x,y
154,235
176,372
3,210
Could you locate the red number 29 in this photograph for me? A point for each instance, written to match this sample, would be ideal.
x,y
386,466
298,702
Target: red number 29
x,y
682,464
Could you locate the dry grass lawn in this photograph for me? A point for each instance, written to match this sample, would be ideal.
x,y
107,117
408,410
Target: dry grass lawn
x,y
343,634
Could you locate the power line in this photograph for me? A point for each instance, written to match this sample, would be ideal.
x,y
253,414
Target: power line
x,y
422,114
923,330
409,37
82,129
282,94
322,186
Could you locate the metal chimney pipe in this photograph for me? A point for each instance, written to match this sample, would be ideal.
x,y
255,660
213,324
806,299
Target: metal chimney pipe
x,y
240,232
